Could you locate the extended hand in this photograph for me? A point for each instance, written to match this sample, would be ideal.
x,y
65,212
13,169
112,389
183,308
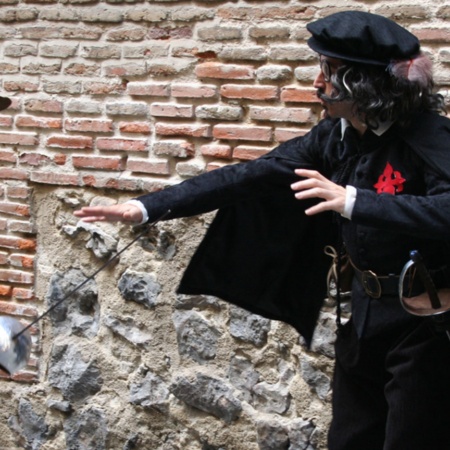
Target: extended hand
x,y
123,212
316,185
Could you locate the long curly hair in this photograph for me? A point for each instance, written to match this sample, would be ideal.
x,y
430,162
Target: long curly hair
x,y
392,93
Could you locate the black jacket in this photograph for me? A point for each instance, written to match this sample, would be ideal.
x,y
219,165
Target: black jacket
x,y
264,254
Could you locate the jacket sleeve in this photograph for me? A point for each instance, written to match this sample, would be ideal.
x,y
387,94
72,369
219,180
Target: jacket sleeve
x,y
239,182
416,215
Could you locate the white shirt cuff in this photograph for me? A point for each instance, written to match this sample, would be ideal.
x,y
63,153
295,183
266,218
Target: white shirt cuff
x,y
350,199
141,206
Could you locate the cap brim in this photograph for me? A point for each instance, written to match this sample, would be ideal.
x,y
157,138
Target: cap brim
x,y
4,103
320,48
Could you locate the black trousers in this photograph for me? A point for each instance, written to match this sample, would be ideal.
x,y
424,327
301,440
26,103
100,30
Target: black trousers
x,y
392,392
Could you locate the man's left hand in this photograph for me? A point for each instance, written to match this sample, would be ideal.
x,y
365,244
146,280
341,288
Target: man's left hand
x,y
315,185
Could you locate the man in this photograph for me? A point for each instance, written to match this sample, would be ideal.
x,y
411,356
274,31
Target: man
x,y
373,177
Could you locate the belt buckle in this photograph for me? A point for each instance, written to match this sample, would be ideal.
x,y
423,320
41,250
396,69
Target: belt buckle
x,y
371,284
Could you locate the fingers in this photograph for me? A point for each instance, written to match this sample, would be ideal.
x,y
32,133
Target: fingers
x,y
315,185
125,213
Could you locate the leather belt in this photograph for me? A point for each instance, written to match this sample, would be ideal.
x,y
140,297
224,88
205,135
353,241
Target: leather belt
x,y
377,285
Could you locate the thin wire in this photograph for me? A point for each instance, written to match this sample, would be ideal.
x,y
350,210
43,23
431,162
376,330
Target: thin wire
x,y
93,275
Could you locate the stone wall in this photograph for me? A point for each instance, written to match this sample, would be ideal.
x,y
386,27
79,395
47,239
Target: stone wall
x,y
115,98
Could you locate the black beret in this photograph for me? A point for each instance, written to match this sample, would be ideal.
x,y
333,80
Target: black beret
x,y
362,37
4,103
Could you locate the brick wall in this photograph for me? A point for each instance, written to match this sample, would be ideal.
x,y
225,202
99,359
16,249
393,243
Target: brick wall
x,y
131,96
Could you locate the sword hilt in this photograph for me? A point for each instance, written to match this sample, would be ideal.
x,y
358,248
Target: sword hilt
x,y
426,279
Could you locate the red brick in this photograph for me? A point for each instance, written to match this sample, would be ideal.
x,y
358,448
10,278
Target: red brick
x,y
195,130
213,166
15,309
6,121
266,13
16,276
276,114
18,226
154,186
8,156
152,167
23,86
24,377
120,144
243,132
16,209
70,142
224,71
285,134
171,110
3,224
38,159
120,184
60,159
249,92
25,261
17,243
33,159
97,162
4,259
148,89
5,291
193,91
18,192
135,127
38,122
48,106
13,174
18,139
292,94
98,88
89,125
23,294
63,179
175,148
216,151
125,70
248,153
432,34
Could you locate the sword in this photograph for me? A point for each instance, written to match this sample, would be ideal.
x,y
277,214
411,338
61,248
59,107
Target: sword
x,y
429,285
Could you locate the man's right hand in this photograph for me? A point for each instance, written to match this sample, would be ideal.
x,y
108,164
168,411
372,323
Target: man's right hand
x,y
124,212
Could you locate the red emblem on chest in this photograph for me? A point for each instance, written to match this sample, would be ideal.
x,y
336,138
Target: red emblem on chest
x,y
390,181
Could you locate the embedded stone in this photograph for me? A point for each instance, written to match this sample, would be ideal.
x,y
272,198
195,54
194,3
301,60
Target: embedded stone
x,y
128,329
272,398
87,430
197,338
79,313
243,376
208,394
139,287
302,435
75,378
248,327
272,436
102,244
150,393
325,335
29,425
62,406
197,301
316,379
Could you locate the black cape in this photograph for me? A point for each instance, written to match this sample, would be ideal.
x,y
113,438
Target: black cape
x,y
267,256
